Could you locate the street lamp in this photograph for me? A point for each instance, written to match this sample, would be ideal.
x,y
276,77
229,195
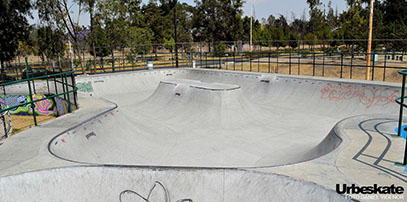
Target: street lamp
x,y
175,2
369,42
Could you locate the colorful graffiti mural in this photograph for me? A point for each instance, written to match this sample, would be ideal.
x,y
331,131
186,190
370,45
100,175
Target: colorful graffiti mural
x,y
369,96
48,107
85,87
44,107
62,106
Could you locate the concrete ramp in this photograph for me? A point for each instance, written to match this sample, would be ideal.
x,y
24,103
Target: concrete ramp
x,y
205,118
125,184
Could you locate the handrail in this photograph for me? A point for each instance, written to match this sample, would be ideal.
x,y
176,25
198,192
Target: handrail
x,y
400,101
32,100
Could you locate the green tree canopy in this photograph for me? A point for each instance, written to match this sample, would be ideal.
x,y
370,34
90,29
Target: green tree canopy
x,y
218,20
49,42
13,27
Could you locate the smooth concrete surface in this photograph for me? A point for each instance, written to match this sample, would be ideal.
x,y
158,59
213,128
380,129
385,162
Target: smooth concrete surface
x,y
366,157
28,150
106,184
197,118
320,130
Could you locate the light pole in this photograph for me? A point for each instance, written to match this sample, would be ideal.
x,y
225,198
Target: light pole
x,y
175,33
251,26
369,42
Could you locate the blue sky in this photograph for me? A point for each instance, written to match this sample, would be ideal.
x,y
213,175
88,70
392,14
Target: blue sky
x,y
262,8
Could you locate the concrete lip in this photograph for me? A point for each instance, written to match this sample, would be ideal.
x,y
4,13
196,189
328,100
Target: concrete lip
x,y
201,85
125,184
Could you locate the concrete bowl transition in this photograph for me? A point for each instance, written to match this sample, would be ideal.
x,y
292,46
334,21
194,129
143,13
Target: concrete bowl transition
x,y
190,135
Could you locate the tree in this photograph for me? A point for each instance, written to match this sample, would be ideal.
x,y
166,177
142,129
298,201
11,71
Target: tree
x,y
310,39
256,26
394,23
49,42
317,20
353,24
313,4
395,11
140,40
331,18
263,37
270,22
101,41
293,43
114,17
218,20
158,21
13,27
57,13
90,8
279,37
169,44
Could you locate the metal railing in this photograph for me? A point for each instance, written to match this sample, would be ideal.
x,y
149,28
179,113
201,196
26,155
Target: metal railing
x,y
351,65
58,79
400,101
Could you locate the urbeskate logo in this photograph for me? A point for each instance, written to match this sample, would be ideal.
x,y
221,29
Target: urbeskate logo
x,y
375,189
374,192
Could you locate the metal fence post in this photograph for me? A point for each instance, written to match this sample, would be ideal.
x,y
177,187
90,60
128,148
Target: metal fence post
x,y
269,61
289,69
200,54
234,61
258,62
277,63
241,63
226,62
323,64
384,67
55,80
75,93
59,62
30,92
113,63
373,60
299,61
401,117
67,90
313,64
401,104
351,61
220,62
250,58
341,65
206,60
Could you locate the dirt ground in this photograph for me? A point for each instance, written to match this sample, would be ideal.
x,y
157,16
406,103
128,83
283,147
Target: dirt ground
x,y
351,69
23,122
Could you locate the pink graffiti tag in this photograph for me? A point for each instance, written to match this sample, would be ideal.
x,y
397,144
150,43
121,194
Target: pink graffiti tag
x,y
369,96
44,107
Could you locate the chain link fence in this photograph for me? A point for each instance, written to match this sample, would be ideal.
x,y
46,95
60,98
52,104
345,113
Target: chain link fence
x,y
35,96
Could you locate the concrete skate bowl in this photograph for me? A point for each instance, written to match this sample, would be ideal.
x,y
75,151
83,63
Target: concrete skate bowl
x,y
126,184
207,118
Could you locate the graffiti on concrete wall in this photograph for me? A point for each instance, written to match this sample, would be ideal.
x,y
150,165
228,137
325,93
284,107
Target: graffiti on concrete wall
x,y
369,96
164,195
47,107
12,100
44,107
62,106
85,87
